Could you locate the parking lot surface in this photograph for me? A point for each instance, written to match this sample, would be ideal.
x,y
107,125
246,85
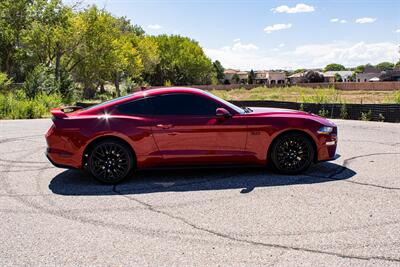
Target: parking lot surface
x,y
345,212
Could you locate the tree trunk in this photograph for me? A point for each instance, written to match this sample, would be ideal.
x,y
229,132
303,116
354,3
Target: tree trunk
x,y
58,60
8,64
88,91
116,83
102,89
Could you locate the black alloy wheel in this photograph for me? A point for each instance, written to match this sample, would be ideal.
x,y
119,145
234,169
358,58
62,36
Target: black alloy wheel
x,y
110,161
292,153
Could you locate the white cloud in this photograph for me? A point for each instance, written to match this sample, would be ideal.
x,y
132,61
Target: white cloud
x,y
281,45
239,46
365,20
299,8
398,30
277,27
306,56
336,20
236,40
154,27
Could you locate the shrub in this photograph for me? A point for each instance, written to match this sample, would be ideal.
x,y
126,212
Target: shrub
x,y
397,97
343,111
41,79
381,117
366,116
130,85
5,82
66,86
323,113
168,83
18,106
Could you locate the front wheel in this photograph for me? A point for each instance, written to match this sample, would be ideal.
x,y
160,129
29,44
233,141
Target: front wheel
x,y
292,153
110,161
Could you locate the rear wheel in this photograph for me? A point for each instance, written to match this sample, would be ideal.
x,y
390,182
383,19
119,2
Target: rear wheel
x,y
292,153
110,161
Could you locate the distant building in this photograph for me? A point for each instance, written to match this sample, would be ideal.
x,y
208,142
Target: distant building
x,y
330,76
228,74
370,72
269,77
296,77
243,76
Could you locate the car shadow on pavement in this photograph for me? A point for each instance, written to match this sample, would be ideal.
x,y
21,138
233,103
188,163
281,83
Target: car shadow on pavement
x,y
75,182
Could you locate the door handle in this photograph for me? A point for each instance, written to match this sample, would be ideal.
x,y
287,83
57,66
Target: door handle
x,y
164,126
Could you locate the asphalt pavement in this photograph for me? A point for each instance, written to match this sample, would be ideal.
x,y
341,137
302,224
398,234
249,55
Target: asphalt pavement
x,y
340,213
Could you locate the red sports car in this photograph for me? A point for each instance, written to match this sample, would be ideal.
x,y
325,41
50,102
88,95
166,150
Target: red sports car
x,y
173,127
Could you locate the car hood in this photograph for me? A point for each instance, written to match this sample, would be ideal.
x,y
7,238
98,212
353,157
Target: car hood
x,y
257,111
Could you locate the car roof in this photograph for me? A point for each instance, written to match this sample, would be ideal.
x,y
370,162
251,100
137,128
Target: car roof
x,y
140,94
169,90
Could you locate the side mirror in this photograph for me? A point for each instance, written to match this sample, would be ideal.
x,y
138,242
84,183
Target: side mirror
x,y
222,113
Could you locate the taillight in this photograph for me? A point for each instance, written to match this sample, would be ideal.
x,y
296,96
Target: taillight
x,y
51,130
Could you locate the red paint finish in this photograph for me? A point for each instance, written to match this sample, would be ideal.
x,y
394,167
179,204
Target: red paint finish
x,y
160,140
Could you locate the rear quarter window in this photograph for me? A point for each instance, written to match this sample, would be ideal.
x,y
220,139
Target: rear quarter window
x,y
136,107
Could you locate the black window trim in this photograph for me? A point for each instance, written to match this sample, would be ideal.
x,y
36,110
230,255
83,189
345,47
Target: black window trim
x,y
218,104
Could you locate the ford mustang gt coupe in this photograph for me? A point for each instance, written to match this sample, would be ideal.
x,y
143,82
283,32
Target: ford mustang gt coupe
x,y
172,127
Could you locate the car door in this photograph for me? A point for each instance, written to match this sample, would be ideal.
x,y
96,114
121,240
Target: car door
x,y
187,130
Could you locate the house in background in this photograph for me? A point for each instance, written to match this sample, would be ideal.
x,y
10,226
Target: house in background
x,y
269,77
296,77
330,76
370,72
228,74
243,76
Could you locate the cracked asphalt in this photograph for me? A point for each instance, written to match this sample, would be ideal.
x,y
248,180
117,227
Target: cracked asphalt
x,y
345,212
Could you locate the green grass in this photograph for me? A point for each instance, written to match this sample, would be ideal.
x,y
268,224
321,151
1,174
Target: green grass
x,y
310,95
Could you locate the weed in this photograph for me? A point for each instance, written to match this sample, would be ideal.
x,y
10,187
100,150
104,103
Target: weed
x,y
343,111
366,116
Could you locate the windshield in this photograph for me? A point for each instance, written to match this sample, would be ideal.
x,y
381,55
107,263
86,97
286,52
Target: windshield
x,y
232,106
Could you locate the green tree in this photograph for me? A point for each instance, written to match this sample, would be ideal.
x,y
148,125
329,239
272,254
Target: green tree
x,y
359,69
299,71
47,38
182,62
149,54
397,66
235,78
383,66
334,67
219,69
312,77
107,51
14,18
338,78
252,77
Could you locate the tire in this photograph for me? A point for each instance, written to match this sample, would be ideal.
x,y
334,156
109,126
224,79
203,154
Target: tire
x,y
110,161
292,153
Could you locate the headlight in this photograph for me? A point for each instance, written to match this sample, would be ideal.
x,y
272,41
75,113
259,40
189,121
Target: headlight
x,y
325,130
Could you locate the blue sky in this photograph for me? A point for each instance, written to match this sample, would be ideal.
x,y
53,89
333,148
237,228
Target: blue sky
x,y
274,34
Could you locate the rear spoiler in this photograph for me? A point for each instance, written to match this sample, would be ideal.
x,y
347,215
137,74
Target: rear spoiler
x,y
59,113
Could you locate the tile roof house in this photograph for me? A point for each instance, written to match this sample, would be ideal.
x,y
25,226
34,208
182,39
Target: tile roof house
x,y
329,76
270,77
229,73
296,77
370,72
